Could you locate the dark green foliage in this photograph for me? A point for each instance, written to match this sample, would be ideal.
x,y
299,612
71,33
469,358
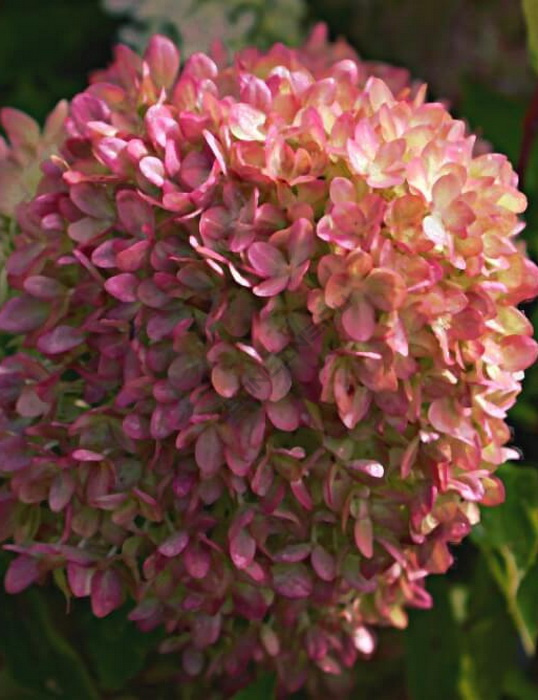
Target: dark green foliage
x,y
48,48
262,689
433,636
37,656
117,650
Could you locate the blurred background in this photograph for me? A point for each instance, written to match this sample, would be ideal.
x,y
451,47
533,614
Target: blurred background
x,y
479,641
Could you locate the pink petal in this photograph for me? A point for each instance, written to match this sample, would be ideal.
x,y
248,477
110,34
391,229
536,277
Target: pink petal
x,y
153,170
293,553
92,200
257,382
519,352
367,139
301,241
197,561
79,579
257,573
242,549
162,58
216,148
87,456
283,414
61,491
445,190
323,563
131,259
135,214
192,661
21,129
364,640
167,419
342,190
494,492
209,452
185,372
446,415
86,229
409,457
292,580
359,319
214,224
179,202
271,333
106,592
329,665
162,127
364,536
150,294
336,290
225,382
123,286
267,260
195,169
302,494
23,314
21,573
60,339
245,122
360,163
271,287
105,254
136,427
44,288
172,157
385,289
270,641
29,405
174,544
206,630
263,478
255,92
87,108
112,153
367,466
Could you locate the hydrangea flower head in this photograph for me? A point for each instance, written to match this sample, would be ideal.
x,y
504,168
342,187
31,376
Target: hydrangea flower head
x,y
269,340
20,158
195,24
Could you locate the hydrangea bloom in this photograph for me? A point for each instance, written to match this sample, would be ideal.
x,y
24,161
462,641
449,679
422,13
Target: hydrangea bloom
x,y
197,23
20,159
270,336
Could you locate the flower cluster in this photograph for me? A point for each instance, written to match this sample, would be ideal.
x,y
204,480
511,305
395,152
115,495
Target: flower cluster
x,y
20,160
269,340
195,24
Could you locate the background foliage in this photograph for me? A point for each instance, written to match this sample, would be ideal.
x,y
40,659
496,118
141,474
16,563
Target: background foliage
x,y
479,641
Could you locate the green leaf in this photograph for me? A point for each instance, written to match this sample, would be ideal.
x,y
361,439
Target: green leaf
x,y
527,601
38,657
518,687
261,689
489,639
530,11
508,538
10,690
117,649
513,525
495,117
77,36
432,648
